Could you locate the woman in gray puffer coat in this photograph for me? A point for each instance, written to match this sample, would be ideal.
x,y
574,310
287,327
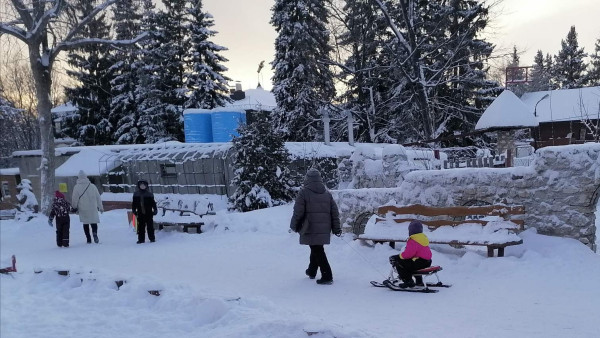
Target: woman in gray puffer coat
x,y
315,217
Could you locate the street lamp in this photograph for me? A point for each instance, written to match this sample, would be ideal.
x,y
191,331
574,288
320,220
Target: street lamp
x,y
540,100
535,114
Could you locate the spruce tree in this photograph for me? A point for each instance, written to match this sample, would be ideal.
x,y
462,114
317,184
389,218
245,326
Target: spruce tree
x,y
593,75
302,80
262,177
569,70
363,37
161,90
540,75
204,72
91,68
124,113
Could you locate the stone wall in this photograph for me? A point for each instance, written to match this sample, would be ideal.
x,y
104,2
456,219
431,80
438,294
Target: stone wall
x,y
559,191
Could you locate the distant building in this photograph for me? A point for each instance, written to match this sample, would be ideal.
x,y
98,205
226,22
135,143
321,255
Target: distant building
x,y
565,116
9,179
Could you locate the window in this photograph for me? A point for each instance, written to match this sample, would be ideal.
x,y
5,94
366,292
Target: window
x,y
168,170
5,189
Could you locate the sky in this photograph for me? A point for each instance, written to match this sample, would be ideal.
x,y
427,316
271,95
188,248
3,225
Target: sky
x,y
243,27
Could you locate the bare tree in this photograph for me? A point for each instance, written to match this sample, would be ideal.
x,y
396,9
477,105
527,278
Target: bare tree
x,y
49,27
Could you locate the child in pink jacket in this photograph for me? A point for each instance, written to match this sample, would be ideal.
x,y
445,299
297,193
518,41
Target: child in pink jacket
x,y
415,256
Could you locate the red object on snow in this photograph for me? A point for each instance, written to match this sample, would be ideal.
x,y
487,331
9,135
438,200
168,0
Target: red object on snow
x,y
12,268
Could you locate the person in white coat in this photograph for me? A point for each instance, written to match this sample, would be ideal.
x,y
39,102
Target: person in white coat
x,y
86,200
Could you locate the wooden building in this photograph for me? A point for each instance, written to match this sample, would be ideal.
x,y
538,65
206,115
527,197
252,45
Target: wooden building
x,y
565,116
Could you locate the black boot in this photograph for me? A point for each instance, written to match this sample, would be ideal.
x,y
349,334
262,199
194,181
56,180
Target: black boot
x,y
310,275
96,240
419,280
325,281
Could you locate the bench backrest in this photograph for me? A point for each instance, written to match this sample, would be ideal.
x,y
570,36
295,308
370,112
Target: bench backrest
x,y
434,217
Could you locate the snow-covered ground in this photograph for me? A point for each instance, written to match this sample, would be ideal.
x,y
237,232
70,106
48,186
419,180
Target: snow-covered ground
x,y
245,277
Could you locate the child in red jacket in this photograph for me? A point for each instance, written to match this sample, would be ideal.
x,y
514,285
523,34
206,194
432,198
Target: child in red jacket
x,y
415,256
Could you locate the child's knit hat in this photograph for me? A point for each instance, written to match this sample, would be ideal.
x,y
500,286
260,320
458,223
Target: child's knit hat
x,y
415,227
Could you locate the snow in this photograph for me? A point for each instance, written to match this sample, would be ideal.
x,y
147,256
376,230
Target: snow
x,y
564,104
9,171
507,111
244,277
64,108
93,161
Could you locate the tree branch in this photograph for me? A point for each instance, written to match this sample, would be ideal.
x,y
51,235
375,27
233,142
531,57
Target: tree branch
x,y
81,24
67,45
13,31
23,13
41,23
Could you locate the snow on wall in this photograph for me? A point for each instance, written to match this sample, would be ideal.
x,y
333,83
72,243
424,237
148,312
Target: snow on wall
x,y
559,191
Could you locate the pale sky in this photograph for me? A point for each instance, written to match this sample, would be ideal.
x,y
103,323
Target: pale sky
x,y
243,27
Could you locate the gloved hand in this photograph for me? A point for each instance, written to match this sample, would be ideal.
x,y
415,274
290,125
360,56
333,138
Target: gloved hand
x,y
50,223
155,212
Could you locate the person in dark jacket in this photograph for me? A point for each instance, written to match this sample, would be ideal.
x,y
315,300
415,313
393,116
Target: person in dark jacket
x,y
315,217
60,209
144,208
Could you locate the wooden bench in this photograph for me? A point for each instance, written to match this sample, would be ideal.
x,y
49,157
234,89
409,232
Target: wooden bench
x,y
390,224
186,226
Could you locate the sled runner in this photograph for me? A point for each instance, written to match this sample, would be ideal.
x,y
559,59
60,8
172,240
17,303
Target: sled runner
x,y
393,282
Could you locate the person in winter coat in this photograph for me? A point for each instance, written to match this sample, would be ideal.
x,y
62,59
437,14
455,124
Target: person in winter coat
x,y
86,201
144,208
416,256
60,209
315,217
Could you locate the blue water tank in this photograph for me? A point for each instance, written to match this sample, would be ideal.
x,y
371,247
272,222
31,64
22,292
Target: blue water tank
x,y
197,125
225,124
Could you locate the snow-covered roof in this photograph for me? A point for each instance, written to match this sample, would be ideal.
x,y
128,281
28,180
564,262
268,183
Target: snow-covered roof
x,y
507,111
256,99
564,104
9,171
89,160
64,108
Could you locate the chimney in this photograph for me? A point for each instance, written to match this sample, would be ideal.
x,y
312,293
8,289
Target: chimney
x,y
238,86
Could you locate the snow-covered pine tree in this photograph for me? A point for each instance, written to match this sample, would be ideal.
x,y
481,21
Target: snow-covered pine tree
x,y
144,125
362,40
440,57
161,89
90,66
124,113
593,75
262,177
569,70
540,74
302,80
204,77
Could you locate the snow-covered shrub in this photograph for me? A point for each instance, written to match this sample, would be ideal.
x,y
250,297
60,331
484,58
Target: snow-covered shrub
x,y
262,177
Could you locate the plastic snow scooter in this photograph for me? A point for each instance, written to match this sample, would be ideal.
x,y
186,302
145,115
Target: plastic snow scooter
x,y
393,282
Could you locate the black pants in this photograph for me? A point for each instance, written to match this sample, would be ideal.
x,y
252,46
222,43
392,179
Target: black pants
x,y
406,267
86,229
318,259
145,222
63,225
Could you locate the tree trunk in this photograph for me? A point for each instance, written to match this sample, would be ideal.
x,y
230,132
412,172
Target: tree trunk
x,y
41,75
